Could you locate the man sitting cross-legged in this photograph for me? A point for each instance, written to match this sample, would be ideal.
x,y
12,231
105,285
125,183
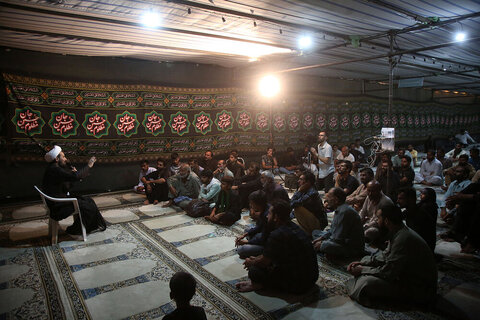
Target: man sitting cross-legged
x,y
156,187
228,207
207,197
430,171
222,170
307,205
345,237
288,262
405,172
252,241
460,182
144,170
344,179
467,220
357,197
450,173
375,199
248,183
404,272
417,219
184,187
272,189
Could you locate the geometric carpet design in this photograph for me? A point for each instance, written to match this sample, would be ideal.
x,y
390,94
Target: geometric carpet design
x,y
123,272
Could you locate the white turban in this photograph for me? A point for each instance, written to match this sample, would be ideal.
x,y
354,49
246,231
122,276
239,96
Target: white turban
x,y
52,154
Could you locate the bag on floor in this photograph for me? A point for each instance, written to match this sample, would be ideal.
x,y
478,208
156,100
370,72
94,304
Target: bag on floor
x,y
198,208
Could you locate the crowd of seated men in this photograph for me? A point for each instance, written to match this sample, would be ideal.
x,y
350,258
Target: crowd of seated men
x,y
379,210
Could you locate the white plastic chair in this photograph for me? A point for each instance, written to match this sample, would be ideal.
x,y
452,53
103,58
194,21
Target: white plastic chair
x,y
53,224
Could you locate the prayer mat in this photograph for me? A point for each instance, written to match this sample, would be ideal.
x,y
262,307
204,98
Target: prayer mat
x,y
123,273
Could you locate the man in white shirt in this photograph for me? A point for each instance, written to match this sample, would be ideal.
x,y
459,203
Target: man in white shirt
x,y
346,155
430,171
145,170
463,137
325,162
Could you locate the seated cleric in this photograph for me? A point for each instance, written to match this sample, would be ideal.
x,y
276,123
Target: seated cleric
x,y
57,182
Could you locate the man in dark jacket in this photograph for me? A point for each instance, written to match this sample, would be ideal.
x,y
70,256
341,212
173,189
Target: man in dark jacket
x,y
57,182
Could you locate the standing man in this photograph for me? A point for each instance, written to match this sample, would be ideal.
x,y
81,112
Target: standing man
x,y
57,181
325,162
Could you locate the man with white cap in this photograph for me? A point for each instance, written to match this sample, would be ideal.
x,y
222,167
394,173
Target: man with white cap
x,y
57,181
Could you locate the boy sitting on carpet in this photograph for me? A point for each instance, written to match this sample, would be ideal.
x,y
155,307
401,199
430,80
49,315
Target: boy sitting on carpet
x,y
182,289
228,207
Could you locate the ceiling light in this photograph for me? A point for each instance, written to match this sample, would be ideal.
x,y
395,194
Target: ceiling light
x,y
150,19
269,86
305,42
460,36
252,59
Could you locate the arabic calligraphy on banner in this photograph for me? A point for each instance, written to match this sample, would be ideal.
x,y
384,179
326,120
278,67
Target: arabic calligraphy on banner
x,y
152,119
63,123
244,120
154,123
28,121
179,123
224,121
202,123
96,124
126,124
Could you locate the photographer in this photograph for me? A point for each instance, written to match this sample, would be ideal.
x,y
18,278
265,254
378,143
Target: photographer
x,y
308,160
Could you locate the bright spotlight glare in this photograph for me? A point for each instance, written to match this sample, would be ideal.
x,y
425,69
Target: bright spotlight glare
x,y
150,19
460,36
269,86
305,42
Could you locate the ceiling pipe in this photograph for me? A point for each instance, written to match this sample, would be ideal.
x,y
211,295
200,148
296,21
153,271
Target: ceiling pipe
x,y
405,12
396,53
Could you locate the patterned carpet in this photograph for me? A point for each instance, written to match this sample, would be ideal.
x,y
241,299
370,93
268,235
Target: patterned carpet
x,y
123,273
